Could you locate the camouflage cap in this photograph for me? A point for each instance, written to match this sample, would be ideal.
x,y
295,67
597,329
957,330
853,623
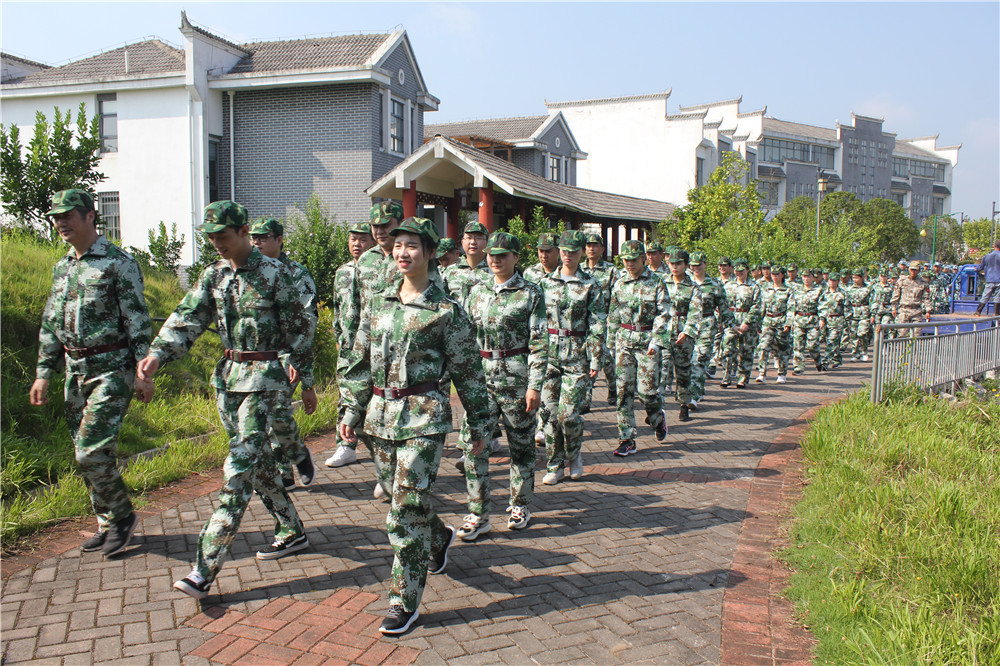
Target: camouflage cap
x,y
503,243
595,238
66,200
698,258
678,255
915,265
360,228
755,267
547,241
446,245
632,249
654,247
476,228
572,240
858,271
833,275
765,265
381,213
725,261
740,265
418,226
791,267
267,226
222,214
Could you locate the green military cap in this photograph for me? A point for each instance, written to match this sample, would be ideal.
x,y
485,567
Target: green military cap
x,y
547,241
267,226
66,200
595,238
927,274
476,228
446,245
679,254
740,265
885,272
654,247
915,265
501,243
572,240
382,212
418,226
818,272
632,249
699,258
755,267
833,275
779,269
791,267
360,228
725,261
222,214
858,271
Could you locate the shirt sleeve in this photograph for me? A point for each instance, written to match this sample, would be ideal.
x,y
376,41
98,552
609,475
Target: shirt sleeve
x,y
50,349
538,341
597,320
191,318
463,365
133,309
355,372
298,325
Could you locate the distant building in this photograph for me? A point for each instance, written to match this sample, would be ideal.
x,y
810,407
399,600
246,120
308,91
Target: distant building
x,y
265,123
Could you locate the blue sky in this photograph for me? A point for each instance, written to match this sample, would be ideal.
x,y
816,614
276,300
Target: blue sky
x,y
928,68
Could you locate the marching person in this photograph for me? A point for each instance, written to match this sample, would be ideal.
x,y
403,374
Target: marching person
x,y
447,253
831,321
859,299
805,323
411,335
606,274
776,325
715,316
471,268
685,321
97,322
740,341
911,299
548,258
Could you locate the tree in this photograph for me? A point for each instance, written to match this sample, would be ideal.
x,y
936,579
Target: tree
x,y
948,246
316,240
978,237
528,234
60,156
895,234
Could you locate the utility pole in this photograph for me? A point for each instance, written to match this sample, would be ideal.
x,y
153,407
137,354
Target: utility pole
x,y
994,218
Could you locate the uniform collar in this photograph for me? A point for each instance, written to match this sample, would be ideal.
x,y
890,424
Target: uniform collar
x,y
99,248
429,299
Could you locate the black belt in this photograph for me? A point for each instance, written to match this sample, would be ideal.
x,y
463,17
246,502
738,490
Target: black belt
x,y
393,393
502,353
77,353
567,332
243,356
637,327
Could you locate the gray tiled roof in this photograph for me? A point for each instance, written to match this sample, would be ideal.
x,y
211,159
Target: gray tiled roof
x,y
500,129
941,189
898,185
338,52
908,149
798,129
147,57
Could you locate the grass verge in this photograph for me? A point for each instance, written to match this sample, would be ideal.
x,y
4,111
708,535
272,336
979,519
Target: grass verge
x,y
896,541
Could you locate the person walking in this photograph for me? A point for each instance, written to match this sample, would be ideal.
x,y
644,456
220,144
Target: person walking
x,y
606,274
685,321
911,299
740,341
776,326
831,321
990,267
805,323
715,316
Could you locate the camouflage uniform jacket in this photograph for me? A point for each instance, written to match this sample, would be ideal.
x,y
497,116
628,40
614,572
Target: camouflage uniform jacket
x,y
685,308
535,273
910,294
96,299
859,300
777,304
663,271
832,304
460,278
576,304
805,305
713,300
511,316
305,286
256,308
606,274
746,304
343,306
400,345
881,297
642,303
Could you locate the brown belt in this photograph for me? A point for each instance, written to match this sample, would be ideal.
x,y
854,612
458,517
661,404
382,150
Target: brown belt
x,y
567,332
393,393
805,314
502,353
243,356
775,314
741,310
83,352
637,327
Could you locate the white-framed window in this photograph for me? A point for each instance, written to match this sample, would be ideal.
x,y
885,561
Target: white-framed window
x,y
107,110
397,119
108,207
555,168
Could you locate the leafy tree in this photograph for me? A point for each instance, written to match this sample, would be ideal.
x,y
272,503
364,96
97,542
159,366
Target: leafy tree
x,y
207,255
895,234
165,249
60,156
316,240
528,234
949,245
978,237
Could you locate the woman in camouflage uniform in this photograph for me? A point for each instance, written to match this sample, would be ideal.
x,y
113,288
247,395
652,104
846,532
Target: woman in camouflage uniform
x,y
776,325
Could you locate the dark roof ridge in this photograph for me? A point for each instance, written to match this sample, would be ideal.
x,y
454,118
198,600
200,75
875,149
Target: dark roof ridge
x,y
26,61
312,38
186,23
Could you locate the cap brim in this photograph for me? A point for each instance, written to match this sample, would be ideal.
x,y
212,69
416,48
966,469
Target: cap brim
x,y
58,210
570,248
630,256
211,227
498,250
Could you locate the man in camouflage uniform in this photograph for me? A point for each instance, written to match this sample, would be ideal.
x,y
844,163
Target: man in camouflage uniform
x,y
359,241
715,316
260,314
911,300
447,253
726,276
832,306
805,323
287,446
776,325
471,269
682,330
660,268
941,283
881,298
96,321
637,315
508,314
548,258
412,335
605,273
740,341
859,298
575,313
654,260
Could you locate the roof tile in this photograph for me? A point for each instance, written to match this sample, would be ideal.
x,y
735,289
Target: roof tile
x,y
315,53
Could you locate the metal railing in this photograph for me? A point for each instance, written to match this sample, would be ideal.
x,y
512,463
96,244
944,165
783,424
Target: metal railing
x,y
934,360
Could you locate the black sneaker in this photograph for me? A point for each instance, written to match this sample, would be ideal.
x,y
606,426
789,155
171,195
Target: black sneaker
x,y
724,384
120,534
438,562
288,482
307,471
282,548
95,542
626,447
613,398
684,413
193,585
820,367
660,431
398,621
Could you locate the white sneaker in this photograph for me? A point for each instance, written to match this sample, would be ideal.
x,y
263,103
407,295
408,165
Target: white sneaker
x,y
539,437
864,358
473,526
460,464
519,517
552,478
760,379
495,445
379,491
780,379
576,467
344,455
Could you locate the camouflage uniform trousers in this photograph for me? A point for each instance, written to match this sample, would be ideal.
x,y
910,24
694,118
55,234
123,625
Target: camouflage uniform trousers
x,y
408,469
704,352
679,356
773,340
637,374
717,360
249,468
609,377
94,408
666,373
507,405
833,336
739,355
805,340
563,395
905,315
861,336
287,447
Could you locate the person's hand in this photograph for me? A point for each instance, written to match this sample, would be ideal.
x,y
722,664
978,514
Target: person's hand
x,y
347,433
681,338
786,329
476,447
593,373
532,399
744,328
309,400
147,368
293,378
144,389
822,325
39,392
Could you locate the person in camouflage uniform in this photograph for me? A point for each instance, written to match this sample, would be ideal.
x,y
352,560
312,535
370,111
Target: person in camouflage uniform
x,y
412,335
637,325
682,331
470,270
726,276
508,314
575,313
359,241
940,285
860,296
97,323
253,301
911,300
605,273
740,341
881,298
715,317
548,258
287,447
805,323
447,253
832,306
777,304
660,268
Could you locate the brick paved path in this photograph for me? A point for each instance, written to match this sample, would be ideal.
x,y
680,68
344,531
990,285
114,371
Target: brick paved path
x,y
633,563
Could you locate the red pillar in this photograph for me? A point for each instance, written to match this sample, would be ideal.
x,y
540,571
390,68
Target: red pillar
x,y
452,229
486,206
410,200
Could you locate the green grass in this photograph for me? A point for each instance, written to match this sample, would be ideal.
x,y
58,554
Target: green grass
x,y
896,541
38,480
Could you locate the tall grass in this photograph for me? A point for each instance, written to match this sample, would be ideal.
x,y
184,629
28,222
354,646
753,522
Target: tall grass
x,y
897,538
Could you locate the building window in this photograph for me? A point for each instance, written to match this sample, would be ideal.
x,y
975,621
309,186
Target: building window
x,y
699,171
555,163
900,198
938,208
396,127
768,190
107,109
213,170
107,204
